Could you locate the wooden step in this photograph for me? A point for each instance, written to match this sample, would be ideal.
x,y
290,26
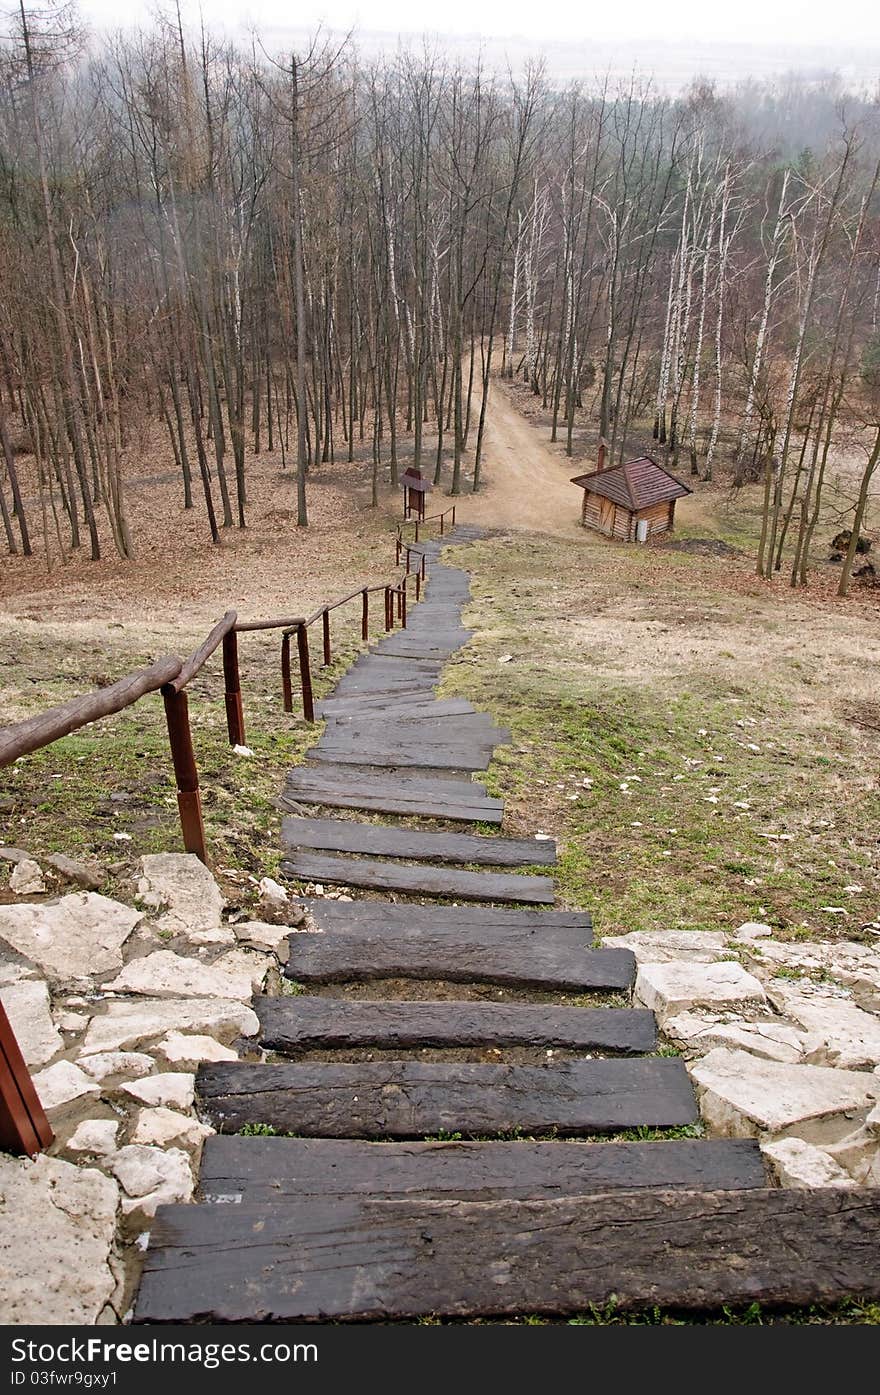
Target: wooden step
x,y
403,754
293,1169
292,1025
411,1099
384,840
347,788
419,879
388,1260
367,940
344,711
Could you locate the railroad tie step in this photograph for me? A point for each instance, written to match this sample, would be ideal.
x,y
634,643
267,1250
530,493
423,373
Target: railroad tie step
x,y
265,1169
361,1258
419,879
414,1099
293,1025
386,840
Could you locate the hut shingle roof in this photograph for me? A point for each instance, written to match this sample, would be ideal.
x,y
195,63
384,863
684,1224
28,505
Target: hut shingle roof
x,y
636,485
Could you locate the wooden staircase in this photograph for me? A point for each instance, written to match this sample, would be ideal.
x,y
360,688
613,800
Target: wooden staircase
x,y
441,1150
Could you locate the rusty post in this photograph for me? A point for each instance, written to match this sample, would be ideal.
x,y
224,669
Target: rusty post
x,y
325,625
286,685
232,679
403,605
418,583
305,672
407,561
442,518
389,609
365,615
453,515
24,1128
186,774
423,568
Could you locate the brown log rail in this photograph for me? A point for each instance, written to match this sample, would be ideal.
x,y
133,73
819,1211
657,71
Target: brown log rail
x,y
171,676
417,523
24,1127
395,604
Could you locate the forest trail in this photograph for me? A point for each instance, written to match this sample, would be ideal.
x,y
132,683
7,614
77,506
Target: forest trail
x,y
527,485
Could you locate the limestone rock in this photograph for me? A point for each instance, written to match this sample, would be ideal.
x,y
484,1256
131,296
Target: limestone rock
x,y
844,960
872,1122
14,968
181,886
27,878
127,1024
261,935
674,987
742,1096
79,936
170,1088
769,1038
795,1163
56,1239
177,1047
13,855
88,875
163,1126
61,1084
152,1177
221,936
752,930
857,1152
71,1021
164,974
104,1064
273,896
841,1034
96,1136
661,946
27,1006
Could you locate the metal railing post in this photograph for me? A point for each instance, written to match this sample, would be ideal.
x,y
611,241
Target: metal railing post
x,y
325,624
365,615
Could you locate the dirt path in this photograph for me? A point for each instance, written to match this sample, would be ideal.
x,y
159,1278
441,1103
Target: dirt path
x,y
526,484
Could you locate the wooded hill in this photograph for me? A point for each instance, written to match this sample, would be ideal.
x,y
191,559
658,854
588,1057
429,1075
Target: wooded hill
x,y
304,254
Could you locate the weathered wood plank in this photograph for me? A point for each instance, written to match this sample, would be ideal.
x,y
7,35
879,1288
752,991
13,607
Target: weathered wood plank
x,y
292,1169
349,788
384,840
291,1025
400,1259
409,1099
461,944
494,924
420,879
451,757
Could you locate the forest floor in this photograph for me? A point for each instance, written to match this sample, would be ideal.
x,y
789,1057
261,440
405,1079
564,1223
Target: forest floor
x,y
703,744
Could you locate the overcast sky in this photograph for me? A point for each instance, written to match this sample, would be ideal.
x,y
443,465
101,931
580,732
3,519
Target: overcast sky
x,y
838,22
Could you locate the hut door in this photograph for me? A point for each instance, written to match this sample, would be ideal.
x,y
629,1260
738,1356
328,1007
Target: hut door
x,y
606,516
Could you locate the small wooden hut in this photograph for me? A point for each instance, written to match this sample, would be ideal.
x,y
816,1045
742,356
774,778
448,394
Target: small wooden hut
x,y
632,502
415,490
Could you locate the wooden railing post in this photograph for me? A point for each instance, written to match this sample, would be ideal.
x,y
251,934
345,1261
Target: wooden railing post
x,y
232,679
418,583
186,774
365,615
24,1127
403,605
286,685
305,672
389,609
398,542
442,518
417,531
325,624
423,568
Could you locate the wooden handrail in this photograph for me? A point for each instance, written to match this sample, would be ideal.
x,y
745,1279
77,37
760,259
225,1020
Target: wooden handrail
x,y
241,626
20,738
199,657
